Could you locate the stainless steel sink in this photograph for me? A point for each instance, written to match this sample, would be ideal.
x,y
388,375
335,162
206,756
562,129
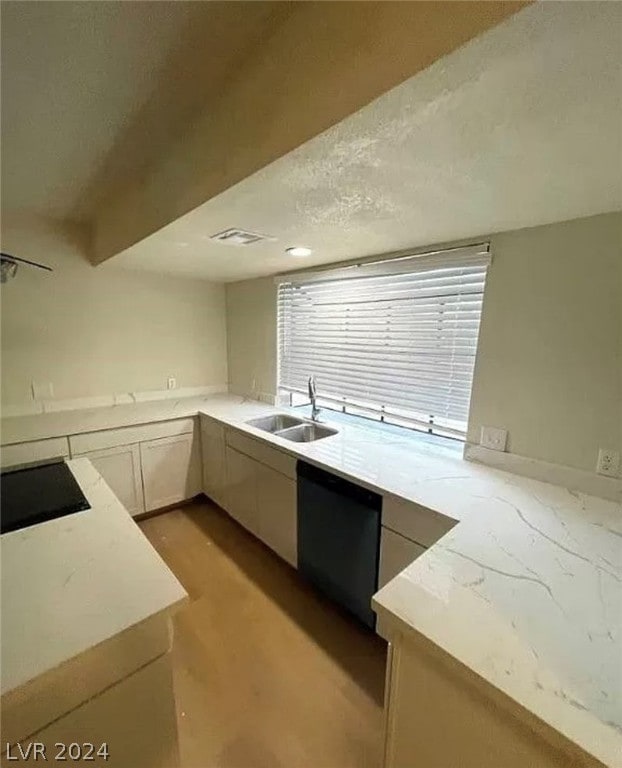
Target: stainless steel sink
x,y
275,423
307,433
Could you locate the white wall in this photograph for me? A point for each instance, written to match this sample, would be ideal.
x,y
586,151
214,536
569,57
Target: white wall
x,y
94,331
251,337
549,365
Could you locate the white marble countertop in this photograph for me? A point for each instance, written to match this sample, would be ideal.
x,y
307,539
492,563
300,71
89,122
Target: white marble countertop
x,y
526,590
74,582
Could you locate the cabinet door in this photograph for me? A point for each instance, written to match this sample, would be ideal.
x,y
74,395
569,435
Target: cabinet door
x,y
276,503
120,468
171,470
213,455
241,493
396,552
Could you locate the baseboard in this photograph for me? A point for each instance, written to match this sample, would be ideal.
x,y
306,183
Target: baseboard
x,y
161,510
557,474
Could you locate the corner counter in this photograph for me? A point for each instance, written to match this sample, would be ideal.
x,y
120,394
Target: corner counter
x,y
86,605
518,607
507,636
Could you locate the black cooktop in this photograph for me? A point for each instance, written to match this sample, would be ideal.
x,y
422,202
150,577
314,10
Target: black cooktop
x,y
36,493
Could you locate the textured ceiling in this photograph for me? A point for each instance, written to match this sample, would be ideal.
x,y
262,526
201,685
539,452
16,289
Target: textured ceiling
x,y
520,127
92,91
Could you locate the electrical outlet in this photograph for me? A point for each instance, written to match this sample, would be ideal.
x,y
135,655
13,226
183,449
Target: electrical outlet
x,y
608,462
42,390
493,438
171,382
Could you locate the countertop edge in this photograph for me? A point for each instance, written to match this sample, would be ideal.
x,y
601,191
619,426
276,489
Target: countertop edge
x,y
502,698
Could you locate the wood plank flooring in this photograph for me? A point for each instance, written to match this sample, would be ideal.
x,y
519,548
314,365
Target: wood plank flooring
x,y
268,674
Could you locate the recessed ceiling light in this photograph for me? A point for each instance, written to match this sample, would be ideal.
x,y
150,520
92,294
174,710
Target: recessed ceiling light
x,y
299,250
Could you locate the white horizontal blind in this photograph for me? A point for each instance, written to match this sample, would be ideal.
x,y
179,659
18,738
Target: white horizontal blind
x,y
400,344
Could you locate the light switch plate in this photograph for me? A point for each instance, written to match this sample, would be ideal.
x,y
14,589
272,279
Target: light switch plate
x,y
494,438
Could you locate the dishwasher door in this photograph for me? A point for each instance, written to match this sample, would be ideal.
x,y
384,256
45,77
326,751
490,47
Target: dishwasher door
x,y
339,539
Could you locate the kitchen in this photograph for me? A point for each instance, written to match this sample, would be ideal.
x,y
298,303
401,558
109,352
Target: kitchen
x,y
348,428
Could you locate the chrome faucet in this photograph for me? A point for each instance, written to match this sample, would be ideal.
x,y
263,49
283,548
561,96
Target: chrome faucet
x,y
315,411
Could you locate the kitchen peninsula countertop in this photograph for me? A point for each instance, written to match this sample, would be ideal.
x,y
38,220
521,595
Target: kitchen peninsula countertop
x,y
526,591
72,583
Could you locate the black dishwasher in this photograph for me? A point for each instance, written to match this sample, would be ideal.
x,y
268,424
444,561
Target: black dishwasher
x,y
338,538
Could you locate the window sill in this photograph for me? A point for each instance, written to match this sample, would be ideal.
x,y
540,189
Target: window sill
x,y
414,435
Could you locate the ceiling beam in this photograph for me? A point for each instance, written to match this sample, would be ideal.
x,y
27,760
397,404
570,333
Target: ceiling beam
x,y
322,62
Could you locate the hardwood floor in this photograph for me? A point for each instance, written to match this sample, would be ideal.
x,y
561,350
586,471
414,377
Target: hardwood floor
x,y
268,674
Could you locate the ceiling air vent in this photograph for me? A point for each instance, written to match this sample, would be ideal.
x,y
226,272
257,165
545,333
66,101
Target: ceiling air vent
x,y
239,237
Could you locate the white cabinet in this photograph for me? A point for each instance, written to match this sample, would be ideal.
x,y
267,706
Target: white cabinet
x,y
438,713
263,499
396,553
147,466
171,469
34,450
413,521
241,489
124,716
213,456
111,438
120,468
276,505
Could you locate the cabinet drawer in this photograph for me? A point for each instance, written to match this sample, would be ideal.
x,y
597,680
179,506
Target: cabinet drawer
x,y
415,522
35,450
265,454
109,438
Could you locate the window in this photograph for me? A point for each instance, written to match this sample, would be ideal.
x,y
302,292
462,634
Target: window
x,y
394,340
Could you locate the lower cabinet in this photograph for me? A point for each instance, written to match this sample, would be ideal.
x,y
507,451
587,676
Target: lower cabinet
x,y
276,503
171,468
263,501
213,457
396,553
131,723
120,468
241,490
439,713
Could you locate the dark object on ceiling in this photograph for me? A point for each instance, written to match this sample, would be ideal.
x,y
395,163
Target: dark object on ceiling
x,y
9,263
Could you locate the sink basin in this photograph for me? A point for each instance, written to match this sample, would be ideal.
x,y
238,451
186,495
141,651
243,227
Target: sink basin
x,y
307,433
275,423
